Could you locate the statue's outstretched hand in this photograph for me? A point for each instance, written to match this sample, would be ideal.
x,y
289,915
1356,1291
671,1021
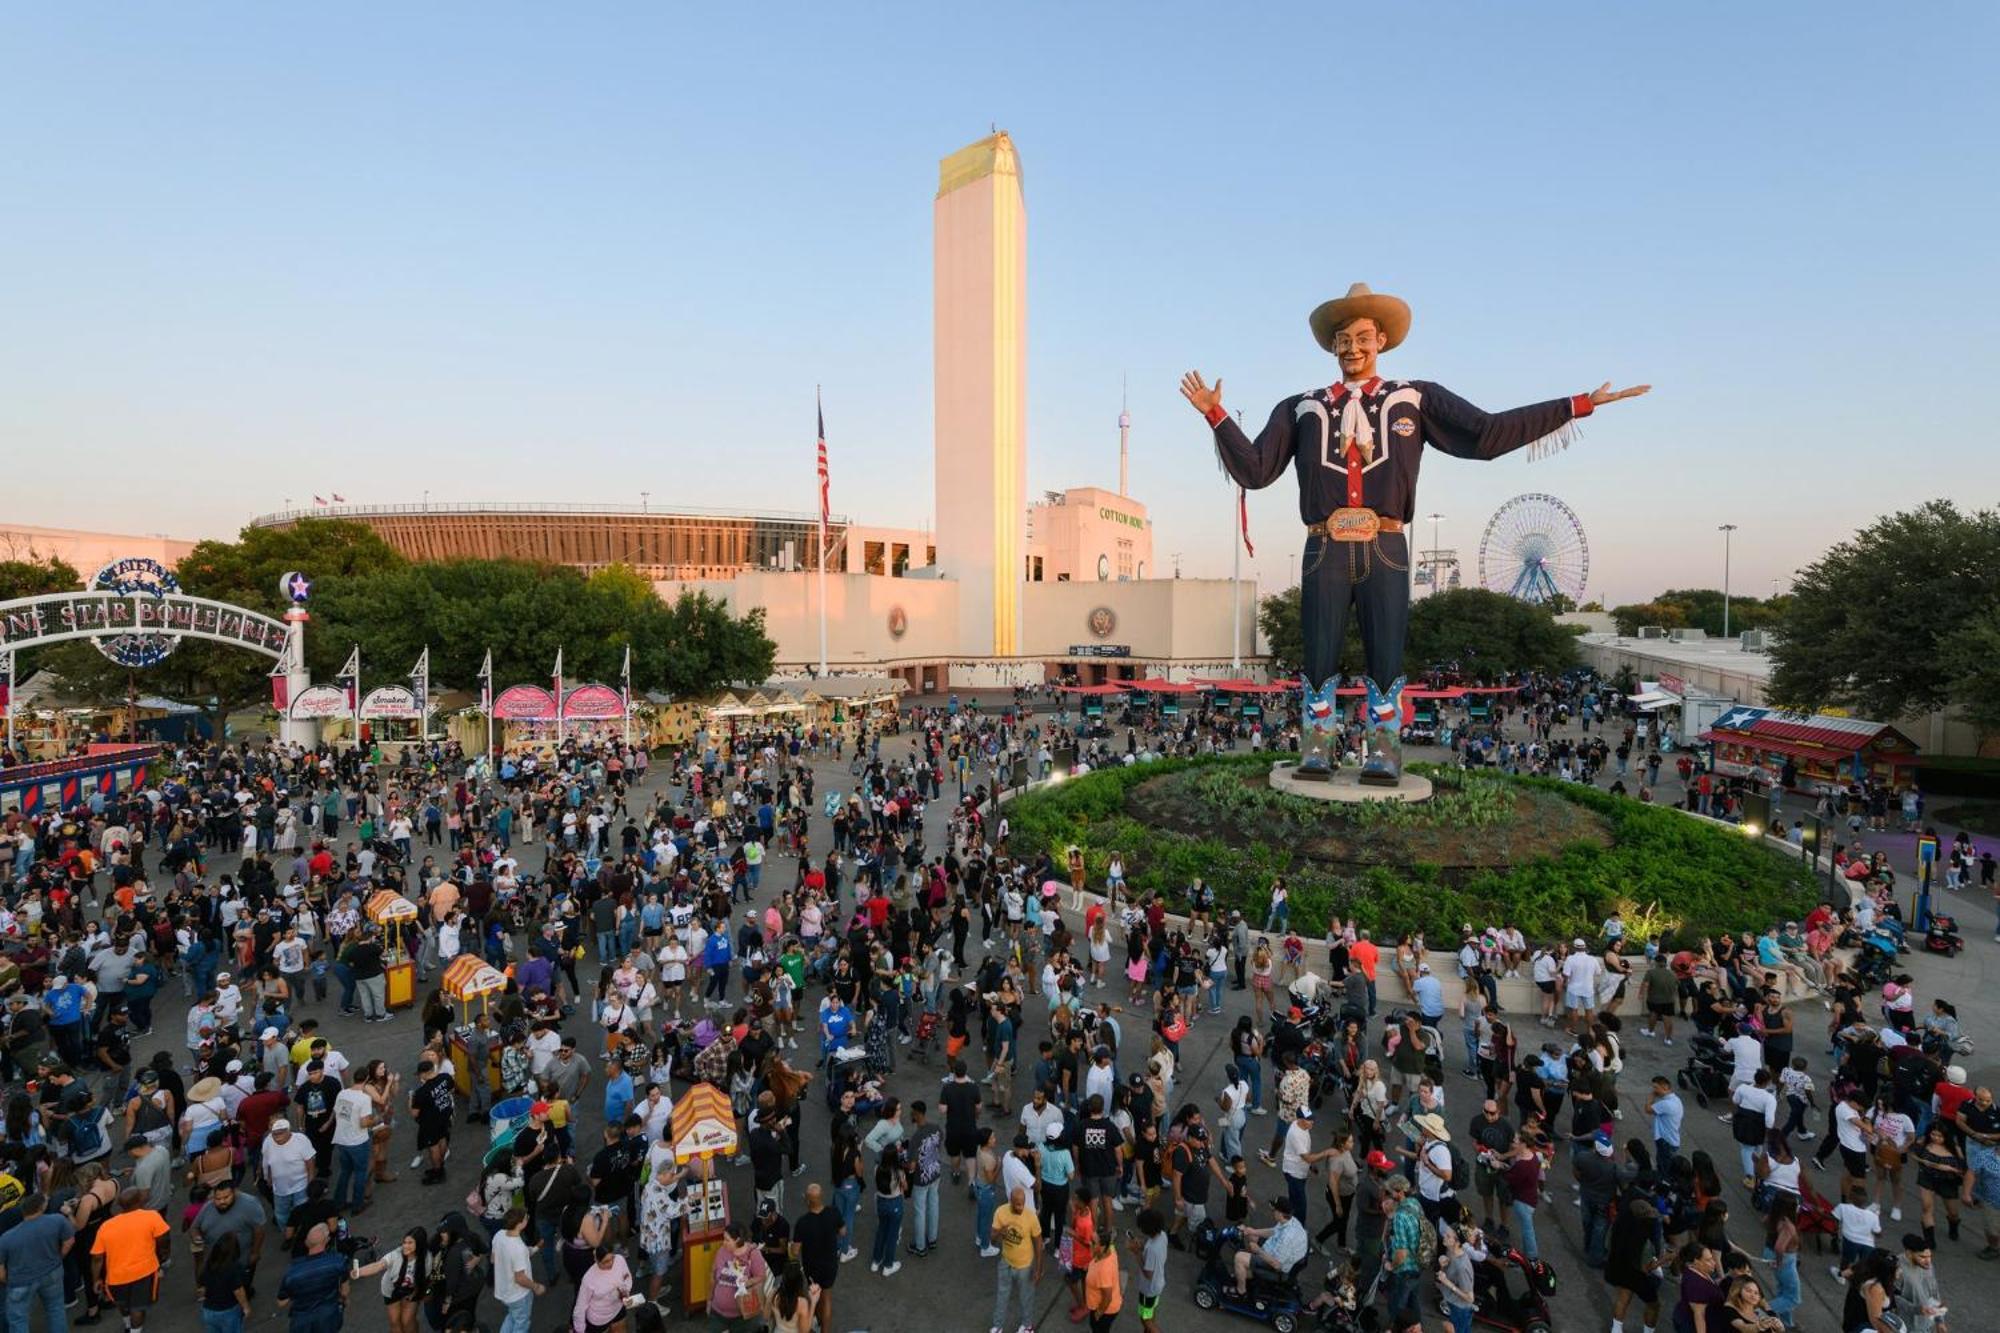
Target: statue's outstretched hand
x,y
1603,394
1205,399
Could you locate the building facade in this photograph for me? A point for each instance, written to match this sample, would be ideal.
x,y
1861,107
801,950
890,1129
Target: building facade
x,y
678,543
87,552
1089,535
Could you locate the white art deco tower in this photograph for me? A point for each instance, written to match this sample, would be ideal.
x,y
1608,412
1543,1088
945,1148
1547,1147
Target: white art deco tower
x,y
979,325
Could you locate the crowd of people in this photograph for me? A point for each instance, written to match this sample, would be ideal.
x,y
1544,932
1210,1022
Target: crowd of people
x,y
695,927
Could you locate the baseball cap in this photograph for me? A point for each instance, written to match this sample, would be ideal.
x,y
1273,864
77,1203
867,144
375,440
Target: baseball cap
x,y
1578,943
539,1108
1956,1074
1380,1161
280,1126
1303,1113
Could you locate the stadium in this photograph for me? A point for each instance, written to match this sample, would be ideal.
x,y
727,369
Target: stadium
x,y
685,542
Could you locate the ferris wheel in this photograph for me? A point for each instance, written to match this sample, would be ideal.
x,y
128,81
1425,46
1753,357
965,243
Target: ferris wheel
x,y
1534,548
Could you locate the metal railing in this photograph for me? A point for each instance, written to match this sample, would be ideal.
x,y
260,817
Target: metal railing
x,y
531,508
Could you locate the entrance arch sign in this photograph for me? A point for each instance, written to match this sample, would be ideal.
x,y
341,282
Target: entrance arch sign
x,y
30,622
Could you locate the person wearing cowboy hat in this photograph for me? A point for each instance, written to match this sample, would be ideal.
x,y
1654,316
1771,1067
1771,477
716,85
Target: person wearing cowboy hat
x,y
1435,1161
1356,446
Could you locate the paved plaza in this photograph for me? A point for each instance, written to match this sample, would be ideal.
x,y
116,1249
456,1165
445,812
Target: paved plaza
x,y
952,1288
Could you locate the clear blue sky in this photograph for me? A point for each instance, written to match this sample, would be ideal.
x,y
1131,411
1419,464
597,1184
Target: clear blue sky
x,y
504,251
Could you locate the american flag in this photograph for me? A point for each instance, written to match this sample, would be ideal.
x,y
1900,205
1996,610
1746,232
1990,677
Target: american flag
x,y
825,515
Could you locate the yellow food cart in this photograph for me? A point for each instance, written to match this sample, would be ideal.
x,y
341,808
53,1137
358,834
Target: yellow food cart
x,y
470,978
397,916
704,1128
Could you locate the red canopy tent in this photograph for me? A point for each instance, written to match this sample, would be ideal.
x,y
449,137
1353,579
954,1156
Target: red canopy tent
x,y
1154,685
1248,686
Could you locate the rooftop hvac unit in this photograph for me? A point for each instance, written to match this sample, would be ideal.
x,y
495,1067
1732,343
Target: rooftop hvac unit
x,y
1652,632
1755,641
1687,635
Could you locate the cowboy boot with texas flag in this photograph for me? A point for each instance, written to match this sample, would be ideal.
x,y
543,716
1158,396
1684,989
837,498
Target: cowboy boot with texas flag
x,y
1383,740
1319,718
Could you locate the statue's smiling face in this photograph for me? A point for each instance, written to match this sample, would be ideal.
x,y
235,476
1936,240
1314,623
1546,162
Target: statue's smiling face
x,y
1356,345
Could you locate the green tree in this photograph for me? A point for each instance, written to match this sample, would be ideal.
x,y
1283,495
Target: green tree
x,y
1487,634
1894,621
1630,617
219,679
1971,657
37,576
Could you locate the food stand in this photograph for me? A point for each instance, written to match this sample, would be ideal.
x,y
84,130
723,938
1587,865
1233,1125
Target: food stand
x,y
1825,751
469,978
703,1126
396,915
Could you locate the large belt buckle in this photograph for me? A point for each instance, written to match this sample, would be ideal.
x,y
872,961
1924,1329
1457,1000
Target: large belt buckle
x,y
1353,525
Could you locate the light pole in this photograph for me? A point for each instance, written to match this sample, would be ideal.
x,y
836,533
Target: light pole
x,y
1725,529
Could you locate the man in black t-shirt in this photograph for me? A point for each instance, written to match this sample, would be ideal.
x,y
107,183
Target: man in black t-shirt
x,y
960,1098
314,1097
818,1236
432,1103
1098,1142
1193,1166
614,1174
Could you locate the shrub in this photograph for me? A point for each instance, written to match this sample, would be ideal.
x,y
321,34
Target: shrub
x,y
1669,875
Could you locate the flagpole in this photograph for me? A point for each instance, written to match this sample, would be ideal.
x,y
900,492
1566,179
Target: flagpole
x,y
357,696
10,701
822,534
559,699
422,675
1236,591
486,689
625,679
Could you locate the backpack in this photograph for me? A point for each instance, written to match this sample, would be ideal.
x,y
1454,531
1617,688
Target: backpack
x,y
1461,1172
1427,1245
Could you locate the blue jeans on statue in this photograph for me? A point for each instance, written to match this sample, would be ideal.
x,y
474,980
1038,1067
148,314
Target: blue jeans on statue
x,y
888,1231
353,1164
21,1298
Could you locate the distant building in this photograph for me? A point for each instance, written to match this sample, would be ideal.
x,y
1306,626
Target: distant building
x,y
1089,535
675,543
88,551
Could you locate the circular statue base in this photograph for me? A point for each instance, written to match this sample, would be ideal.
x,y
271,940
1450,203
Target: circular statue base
x,y
1346,786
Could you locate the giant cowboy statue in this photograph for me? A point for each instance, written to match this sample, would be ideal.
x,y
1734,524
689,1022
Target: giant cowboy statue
x,y
1356,445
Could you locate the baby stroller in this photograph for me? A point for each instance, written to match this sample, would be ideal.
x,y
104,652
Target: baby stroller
x,y
1877,959
1512,1292
1707,1071
1815,1215
1942,936
846,1070
924,1040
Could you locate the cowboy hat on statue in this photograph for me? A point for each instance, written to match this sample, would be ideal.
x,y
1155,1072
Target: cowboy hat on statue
x,y
1356,445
